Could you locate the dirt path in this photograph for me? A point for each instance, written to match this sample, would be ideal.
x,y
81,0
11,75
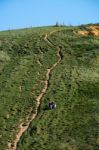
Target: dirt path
x,y
24,126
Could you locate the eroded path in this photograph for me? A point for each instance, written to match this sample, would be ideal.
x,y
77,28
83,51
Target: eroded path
x,y
24,126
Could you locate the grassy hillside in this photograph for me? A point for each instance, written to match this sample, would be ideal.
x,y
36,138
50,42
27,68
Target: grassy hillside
x,y
73,85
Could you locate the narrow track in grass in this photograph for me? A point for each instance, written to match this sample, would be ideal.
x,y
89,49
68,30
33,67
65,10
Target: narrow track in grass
x,y
24,125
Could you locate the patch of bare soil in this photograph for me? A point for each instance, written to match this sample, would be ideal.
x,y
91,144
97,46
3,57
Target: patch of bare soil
x,y
93,30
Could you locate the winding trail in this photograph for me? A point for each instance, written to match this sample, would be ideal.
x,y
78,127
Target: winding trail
x,y
24,126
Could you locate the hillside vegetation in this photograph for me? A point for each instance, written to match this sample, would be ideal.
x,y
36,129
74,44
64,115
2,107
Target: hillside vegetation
x,y
25,56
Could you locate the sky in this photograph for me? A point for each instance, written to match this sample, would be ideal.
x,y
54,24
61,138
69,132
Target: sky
x,y
16,14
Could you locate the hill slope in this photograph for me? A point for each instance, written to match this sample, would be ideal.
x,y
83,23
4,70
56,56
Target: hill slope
x,y
25,57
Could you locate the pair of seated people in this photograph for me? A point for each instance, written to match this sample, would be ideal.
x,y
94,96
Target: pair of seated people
x,y
52,105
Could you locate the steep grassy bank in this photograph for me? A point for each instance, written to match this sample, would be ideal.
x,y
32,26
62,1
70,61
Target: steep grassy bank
x,y
74,86
24,58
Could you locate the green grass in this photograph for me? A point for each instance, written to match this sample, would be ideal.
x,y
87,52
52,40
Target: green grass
x,y
73,85
21,77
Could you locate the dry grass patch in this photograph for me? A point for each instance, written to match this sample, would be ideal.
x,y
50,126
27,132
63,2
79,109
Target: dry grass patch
x,y
93,30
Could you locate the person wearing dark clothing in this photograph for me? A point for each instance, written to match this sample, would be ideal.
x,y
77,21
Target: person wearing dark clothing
x,y
52,105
